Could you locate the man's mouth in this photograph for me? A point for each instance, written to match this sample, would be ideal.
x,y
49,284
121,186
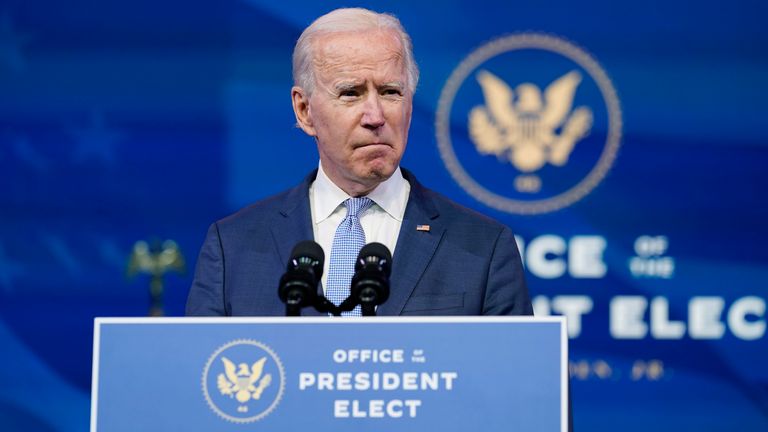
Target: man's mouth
x,y
372,144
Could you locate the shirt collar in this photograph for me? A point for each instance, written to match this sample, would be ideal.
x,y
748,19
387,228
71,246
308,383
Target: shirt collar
x,y
390,195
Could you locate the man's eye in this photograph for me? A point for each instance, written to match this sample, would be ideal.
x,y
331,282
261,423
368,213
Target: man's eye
x,y
348,93
392,92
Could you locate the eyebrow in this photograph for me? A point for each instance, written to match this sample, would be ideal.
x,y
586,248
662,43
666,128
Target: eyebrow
x,y
348,85
352,85
395,84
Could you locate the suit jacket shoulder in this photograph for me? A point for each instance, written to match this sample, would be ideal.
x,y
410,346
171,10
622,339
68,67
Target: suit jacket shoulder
x,y
244,255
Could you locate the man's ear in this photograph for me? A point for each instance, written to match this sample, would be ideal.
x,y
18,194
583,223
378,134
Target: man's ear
x,y
300,100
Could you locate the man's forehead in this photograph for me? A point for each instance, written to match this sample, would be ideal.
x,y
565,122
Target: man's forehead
x,y
345,48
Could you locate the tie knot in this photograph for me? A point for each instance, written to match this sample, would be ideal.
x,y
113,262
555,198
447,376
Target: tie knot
x,y
355,206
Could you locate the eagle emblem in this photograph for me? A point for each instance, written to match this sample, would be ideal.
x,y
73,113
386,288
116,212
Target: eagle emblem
x,y
526,129
242,382
155,259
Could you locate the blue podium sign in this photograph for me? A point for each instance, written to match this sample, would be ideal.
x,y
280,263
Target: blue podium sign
x,y
351,374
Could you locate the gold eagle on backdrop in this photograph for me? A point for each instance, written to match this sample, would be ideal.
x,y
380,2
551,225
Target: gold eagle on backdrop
x,y
522,127
240,381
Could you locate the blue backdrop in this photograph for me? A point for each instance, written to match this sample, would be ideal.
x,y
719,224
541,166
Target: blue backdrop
x,y
123,121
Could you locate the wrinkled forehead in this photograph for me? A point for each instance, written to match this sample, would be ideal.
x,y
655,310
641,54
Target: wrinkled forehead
x,y
341,51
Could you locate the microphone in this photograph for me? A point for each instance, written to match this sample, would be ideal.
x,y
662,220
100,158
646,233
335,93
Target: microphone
x,y
370,284
298,286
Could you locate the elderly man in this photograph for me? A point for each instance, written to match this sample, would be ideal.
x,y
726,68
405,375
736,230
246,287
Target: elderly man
x,y
355,77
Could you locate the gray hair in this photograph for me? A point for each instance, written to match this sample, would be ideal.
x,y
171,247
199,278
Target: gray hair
x,y
348,20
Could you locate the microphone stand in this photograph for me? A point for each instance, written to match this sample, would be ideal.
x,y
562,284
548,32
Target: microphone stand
x,y
367,308
294,302
292,310
323,305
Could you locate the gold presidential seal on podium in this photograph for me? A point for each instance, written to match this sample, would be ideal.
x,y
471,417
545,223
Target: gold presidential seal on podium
x,y
528,124
243,381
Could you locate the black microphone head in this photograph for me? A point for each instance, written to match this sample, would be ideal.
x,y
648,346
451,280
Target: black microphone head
x,y
309,253
370,284
298,286
375,253
308,248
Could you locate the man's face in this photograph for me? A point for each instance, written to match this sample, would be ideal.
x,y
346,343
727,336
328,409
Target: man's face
x,y
360,109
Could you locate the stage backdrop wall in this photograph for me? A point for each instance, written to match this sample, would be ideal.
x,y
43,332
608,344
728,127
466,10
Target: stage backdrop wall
x,y
629,156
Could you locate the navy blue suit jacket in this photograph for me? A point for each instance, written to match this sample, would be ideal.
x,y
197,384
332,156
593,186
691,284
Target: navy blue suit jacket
x,y
466,264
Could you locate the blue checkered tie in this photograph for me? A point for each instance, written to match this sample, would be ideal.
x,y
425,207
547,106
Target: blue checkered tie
x,y
347,242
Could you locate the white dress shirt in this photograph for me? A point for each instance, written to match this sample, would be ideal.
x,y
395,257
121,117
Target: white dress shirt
x,y
381,222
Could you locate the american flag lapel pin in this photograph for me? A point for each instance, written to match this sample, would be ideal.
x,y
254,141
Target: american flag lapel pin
x,y
424,228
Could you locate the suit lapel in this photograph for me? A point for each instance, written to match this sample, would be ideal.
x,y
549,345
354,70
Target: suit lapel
x,y
414,249
294,224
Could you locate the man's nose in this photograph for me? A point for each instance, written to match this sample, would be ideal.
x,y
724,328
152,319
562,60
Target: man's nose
x,y
373,115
